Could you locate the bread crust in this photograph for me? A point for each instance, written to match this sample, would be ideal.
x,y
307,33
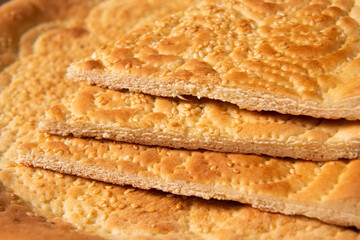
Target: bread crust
x,y
17,17
200,124
17,221
34,83
154,215
325,191
270,64
21,24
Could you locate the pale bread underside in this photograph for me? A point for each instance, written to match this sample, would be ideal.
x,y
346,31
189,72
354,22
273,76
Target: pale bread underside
x,y
327,191
200,124
294,58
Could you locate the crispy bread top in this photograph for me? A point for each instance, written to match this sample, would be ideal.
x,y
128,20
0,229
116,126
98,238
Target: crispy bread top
x,y
296,57
262,181
195,124
112,211
37,83
38,40
17,221
17,17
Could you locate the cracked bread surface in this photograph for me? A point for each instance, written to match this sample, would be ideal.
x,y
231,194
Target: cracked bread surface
x,y
327,191
297,57
200,124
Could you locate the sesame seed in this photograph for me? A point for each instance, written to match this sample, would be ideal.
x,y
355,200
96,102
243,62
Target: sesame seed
x,y
96,191
29,214
134,205
128,191
59,175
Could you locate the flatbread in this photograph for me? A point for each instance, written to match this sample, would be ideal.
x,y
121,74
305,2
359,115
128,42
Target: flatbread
x,y
18,222
327,191
45,36
202,124
115,212
291,57
37,83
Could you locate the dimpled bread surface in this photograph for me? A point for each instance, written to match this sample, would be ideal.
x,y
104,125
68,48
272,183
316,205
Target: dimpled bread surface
x,y
327,191
200,124
17,221
293,57
112,211
35,82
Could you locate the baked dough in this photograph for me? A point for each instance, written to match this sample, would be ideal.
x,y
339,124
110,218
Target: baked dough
x,y
35,82
115,212
293,57
327,191
200,124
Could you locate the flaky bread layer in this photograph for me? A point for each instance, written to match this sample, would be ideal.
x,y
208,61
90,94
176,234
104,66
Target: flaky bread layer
x,y
113,175
313,151
243,98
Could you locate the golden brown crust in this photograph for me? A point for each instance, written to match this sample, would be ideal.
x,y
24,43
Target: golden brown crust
x,y
200,124
18,222
297,60
327,191
37,84
17,17
106,22
121,212
22,23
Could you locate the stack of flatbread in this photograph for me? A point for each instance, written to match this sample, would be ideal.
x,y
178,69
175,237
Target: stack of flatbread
x,y
249,110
